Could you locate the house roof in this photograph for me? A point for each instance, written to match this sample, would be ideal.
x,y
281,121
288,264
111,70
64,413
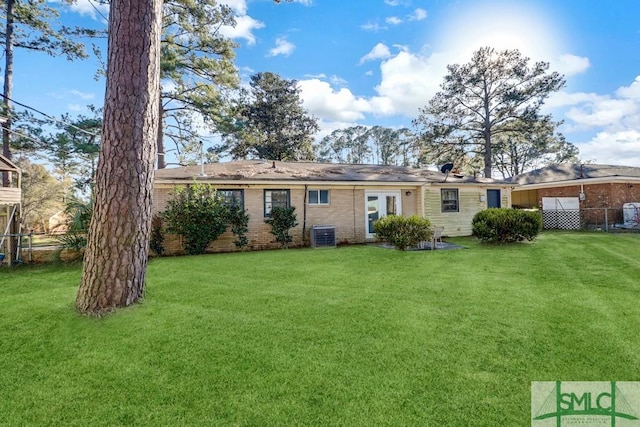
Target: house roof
x,y
266,171
571,172
7,165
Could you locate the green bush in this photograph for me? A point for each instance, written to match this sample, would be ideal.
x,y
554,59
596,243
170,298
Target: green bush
x,y
238,219
403,231
156,242
503,225
80,214
282,220
198,214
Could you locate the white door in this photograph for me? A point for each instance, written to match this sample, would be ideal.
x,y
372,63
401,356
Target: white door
x,y
379,204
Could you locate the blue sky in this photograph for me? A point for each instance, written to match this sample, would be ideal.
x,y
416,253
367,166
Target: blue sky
x,y
377,61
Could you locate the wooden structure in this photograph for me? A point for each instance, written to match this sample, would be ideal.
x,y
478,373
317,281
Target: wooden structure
x,y
10,208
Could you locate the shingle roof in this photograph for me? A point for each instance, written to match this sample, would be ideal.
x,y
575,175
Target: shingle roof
x,y
570,172
258,170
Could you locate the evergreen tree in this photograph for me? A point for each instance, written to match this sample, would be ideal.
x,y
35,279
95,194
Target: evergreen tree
x,y
30,25
196,70
495,93
116,257
271,122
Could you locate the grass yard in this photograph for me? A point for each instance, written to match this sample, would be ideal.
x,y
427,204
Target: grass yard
x,y
356,336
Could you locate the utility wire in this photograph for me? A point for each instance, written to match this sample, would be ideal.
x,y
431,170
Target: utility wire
x,y
37,141
48,116
98,10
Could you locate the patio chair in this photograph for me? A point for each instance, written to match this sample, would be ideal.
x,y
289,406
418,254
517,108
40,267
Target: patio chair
x,y
437,237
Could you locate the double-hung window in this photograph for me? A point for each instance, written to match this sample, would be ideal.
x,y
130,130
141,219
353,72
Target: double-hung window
x,y
450,200
276,199
318,197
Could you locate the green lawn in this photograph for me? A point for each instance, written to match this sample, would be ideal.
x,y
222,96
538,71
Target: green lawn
x,y
353,336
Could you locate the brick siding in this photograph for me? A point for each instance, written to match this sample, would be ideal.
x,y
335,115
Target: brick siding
x,y
345,211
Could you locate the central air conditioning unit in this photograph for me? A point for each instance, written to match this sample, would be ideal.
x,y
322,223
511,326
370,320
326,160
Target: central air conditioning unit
x,y
323,236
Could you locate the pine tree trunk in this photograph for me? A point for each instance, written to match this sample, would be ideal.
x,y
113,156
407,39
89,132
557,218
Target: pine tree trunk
x,y
117,250
8,88
162,160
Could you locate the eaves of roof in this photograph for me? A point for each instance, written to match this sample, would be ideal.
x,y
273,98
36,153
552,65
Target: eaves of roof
x,y
575,182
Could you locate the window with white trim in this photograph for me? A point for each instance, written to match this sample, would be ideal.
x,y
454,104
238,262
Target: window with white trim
x,y
318,197
450,200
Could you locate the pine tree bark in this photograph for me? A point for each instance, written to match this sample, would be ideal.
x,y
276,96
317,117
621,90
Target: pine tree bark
x,y
8,87
118,242
162,162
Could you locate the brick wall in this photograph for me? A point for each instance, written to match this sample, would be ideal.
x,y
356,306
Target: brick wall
x,y
598,197
612,195
345,211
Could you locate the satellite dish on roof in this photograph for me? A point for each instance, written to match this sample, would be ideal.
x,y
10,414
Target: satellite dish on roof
x,y
446,168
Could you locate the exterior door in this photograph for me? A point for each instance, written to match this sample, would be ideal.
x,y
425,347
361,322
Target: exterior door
x,y
379,204
493,199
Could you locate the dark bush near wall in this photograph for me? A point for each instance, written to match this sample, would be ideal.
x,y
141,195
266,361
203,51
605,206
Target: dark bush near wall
x,y
503,225
403,231
282,220
156,242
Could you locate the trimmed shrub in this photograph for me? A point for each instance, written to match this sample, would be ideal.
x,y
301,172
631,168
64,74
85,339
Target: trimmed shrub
x,y
197,213
504,225
282,220
403,231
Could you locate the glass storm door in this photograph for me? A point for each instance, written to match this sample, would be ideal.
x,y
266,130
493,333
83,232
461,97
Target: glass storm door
x,y
379,205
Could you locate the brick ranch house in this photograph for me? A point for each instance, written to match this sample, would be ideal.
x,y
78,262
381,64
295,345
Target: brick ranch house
x,y
595,193
347,197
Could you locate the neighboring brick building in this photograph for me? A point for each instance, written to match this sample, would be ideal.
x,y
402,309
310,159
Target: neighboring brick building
x,y
601,190
347,197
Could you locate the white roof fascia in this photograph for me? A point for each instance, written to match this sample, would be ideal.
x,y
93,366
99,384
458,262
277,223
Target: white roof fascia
x,y
579,181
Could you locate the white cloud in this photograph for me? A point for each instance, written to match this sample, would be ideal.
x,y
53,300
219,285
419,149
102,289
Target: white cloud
x,y
94,9
393,20
82,95
408,82
338,81
245,25
616,148
632,91
371,26
283,47
238,6
326,103
379,51
418,15
316,76
564,99
398,2
570,65
615,119
603,113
